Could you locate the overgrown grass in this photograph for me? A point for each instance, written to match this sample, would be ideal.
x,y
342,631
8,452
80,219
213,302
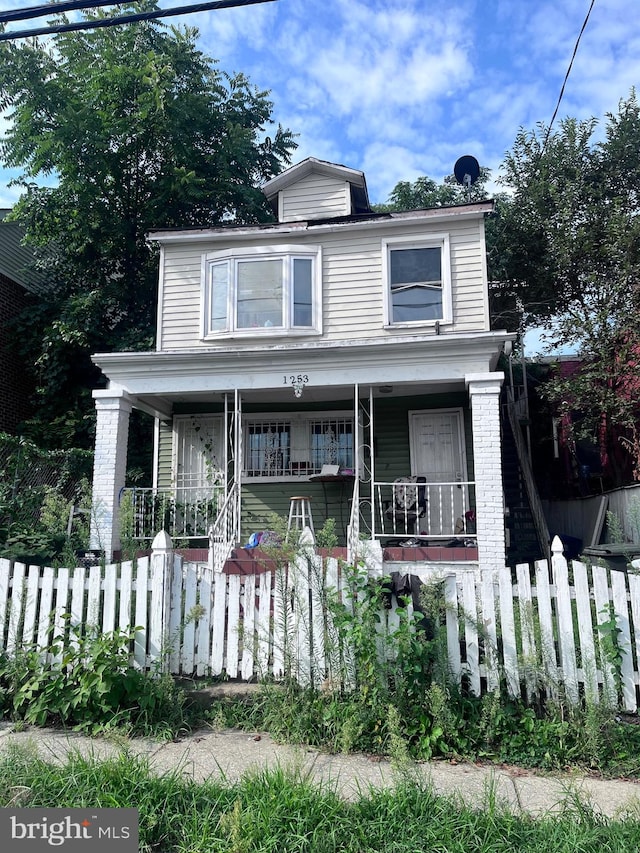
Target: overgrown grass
x,y
278,810
444,724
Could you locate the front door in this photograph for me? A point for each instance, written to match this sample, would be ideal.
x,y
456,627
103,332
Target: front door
x,y
438,454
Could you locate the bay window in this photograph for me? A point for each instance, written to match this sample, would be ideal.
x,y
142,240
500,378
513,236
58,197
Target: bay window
x,y
265,291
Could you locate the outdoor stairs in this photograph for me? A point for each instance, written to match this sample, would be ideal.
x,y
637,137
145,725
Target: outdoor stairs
x,y
524,545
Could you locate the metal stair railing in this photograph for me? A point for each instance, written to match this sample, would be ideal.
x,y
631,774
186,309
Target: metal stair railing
x,y
539,520
223,533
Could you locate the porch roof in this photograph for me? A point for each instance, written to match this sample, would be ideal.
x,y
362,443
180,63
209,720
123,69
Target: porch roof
x,y
158,379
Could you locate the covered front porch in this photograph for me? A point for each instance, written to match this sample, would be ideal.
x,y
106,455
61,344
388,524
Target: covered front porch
x,y
410,462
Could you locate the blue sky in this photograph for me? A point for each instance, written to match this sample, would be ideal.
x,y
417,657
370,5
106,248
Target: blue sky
x,y
402,88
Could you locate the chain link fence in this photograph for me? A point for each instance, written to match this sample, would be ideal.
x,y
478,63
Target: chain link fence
x,y
28,472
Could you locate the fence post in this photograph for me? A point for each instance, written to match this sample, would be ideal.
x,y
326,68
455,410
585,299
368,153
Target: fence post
x,y
566,637
161,573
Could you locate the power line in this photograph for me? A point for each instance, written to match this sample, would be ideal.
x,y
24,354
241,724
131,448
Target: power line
x,y
127,19
566,76
41,11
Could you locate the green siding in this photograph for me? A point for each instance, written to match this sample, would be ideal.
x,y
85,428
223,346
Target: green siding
x,y
392,459
165,455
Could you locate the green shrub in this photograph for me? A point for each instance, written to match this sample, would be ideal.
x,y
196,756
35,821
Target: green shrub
x,y
86,681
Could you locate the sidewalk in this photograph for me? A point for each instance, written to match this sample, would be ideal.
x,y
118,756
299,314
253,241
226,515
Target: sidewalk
x,y
230,754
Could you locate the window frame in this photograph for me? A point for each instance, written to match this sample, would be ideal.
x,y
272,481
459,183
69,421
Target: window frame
x,y
300,444
432,241
286,253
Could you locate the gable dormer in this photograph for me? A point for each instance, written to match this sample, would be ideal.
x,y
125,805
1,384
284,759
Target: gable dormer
x,y
316,189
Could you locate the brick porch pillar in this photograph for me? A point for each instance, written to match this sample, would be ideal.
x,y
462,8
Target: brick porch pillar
x,y
484,397
113,408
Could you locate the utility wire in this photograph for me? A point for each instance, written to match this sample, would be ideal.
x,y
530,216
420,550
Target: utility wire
x,y
566,76
127,19
50,8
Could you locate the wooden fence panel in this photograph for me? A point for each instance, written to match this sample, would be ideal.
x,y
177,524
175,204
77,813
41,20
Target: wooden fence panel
x,y
547,632
488,604
218,623
528,618
141,589
278,623
621,609
452,625
471,632
233,626
508,627
585,631
634,594
31,604
45,617
265,635
110,592
62,595
602,599
15,609
248,628
282,623
6,569
93,597
126,596
176,616
566,636
187,656
204,622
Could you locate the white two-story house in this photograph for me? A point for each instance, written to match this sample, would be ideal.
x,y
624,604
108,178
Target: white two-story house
x,y
339,355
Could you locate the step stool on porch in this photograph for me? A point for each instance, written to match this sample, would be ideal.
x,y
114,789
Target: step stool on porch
x,y
300,513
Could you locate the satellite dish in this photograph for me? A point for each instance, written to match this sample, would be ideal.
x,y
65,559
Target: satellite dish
x,y
466,170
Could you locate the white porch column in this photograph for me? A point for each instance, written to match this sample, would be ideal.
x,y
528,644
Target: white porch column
x,y
484,396
113,408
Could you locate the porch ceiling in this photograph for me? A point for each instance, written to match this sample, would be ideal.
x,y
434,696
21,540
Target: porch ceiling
x,y
333,394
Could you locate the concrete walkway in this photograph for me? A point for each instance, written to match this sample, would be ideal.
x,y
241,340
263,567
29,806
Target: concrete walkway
x,y
230,754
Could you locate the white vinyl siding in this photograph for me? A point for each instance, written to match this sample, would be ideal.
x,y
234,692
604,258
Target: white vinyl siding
x,y
314,197
352,291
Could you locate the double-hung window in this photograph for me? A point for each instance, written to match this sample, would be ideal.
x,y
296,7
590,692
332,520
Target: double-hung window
x,y
274,290
417,279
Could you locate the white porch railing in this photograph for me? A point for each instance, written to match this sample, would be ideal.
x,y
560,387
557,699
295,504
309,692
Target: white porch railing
x,y
224,532
433,510
185,513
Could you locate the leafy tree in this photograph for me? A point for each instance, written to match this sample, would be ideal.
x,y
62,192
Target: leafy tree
x,y
424,192
119,131
568,249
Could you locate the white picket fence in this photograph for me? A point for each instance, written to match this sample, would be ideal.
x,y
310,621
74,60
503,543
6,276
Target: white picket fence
x,y
540,633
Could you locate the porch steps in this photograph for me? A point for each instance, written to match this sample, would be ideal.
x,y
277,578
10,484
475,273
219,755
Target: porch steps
x,y
524,546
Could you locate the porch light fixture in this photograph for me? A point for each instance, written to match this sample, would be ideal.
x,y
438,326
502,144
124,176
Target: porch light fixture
x,y
298,388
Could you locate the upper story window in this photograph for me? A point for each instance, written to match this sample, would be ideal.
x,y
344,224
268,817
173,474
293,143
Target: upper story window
x,y
273,290
417,280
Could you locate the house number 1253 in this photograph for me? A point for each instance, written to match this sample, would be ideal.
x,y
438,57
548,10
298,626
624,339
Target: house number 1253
x,y
299,379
